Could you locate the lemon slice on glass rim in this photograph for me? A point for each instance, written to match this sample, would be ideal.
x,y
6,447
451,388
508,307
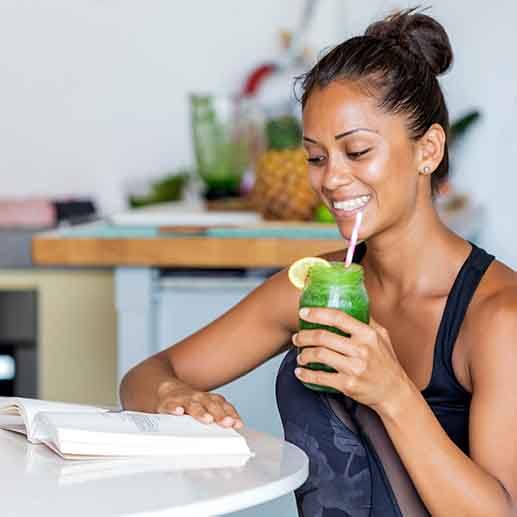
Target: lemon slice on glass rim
x,y
299,270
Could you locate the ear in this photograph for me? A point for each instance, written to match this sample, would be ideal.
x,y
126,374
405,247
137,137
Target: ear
x,y
430,149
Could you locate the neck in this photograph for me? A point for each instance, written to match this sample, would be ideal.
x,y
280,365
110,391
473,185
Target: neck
x,y
419,255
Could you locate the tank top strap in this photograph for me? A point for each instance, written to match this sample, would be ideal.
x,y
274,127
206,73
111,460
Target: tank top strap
x,y
458,301
359,252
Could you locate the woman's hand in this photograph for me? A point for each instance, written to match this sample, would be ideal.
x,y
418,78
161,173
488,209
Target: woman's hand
x,y
367,368
179,399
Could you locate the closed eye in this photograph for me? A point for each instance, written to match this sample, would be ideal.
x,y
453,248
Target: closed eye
x,y
316,160
355,156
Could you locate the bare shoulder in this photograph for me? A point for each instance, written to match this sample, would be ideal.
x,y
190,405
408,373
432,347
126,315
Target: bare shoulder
x,y
496,296
491,322
279,298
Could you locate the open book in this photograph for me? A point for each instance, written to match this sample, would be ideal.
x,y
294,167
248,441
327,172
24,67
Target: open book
x,y
77,432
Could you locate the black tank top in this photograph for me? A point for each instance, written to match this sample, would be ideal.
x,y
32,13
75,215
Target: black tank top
x,y
342,479
448,399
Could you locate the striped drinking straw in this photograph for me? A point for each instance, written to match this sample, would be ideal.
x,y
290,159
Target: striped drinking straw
x,y
353,239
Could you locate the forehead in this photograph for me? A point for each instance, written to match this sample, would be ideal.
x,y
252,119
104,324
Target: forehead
x,y
340,106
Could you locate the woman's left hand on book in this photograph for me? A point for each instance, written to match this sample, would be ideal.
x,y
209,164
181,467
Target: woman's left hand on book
x,y
180,399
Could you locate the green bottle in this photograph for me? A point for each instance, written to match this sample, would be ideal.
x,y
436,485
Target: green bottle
x,y
334,287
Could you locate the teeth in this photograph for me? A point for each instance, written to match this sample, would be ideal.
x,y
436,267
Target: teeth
x,y
351,204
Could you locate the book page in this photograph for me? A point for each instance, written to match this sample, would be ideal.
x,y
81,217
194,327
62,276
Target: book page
x,y
12,422
133,433
26,410
137,423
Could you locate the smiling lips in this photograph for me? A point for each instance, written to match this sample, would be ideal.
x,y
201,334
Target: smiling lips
x,y
350,206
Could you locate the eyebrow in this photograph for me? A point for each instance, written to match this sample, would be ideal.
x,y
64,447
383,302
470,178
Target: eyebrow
x,y
342,135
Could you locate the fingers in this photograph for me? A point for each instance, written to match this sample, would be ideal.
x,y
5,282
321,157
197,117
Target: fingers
x,y
359,332
171,407
379,329
232,412
225,414
340,363
216,409
321,378
385,337
325,338
199,412
335,318
186,406
347,384
323,346
204,407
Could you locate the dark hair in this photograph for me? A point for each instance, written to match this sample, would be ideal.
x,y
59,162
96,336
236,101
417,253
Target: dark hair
x,y
398,58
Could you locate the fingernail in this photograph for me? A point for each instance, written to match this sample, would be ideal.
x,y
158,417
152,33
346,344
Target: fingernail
x,y
304,312
227,420
208,418
238,424
179,411
294,338
297,371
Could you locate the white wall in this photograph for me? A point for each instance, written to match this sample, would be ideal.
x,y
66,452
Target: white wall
x,y
94,91
484,75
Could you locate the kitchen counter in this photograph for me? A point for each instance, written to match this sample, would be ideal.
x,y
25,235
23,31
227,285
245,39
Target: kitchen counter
x,y
15,249
100,244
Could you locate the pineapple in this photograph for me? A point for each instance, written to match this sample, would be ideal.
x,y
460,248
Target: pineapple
x,y
282,189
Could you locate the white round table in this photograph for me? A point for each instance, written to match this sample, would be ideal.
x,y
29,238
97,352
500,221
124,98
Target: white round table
x,y
35,481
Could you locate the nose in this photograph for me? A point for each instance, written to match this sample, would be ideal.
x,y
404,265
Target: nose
x,y
338,174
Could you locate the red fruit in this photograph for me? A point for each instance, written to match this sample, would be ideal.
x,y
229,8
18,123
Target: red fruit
x,y
256,77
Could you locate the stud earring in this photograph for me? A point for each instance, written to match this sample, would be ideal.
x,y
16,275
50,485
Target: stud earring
x,y
427,170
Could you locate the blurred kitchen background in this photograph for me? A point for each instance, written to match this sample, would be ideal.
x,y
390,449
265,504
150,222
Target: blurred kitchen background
x,y
95,93
108,105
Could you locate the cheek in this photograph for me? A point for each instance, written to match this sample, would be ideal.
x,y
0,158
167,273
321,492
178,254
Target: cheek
x,y
393,187
377,174
316,178
390,175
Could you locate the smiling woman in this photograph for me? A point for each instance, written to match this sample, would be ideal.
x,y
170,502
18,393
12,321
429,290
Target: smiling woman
x,y
424,388
376,156
375,124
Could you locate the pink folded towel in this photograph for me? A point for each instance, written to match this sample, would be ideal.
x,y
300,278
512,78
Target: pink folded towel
x,y
32,212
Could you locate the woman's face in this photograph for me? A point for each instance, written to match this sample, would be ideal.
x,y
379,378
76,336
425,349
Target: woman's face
x,y
360,158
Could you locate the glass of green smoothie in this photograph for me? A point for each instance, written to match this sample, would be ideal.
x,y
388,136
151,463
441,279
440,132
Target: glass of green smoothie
x,y
336,287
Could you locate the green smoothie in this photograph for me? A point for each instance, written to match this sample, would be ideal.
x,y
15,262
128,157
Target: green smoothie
x,y
334,287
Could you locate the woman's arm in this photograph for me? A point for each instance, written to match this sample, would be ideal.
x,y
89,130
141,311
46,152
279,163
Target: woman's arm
x,y
256,329
449,482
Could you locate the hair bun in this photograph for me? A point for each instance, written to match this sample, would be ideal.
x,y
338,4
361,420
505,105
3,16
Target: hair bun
x,y
418,33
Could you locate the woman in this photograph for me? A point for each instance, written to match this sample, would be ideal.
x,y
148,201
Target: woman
x,y
437,363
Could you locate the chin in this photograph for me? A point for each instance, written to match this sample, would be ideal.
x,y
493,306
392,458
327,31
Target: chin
x,y
345,230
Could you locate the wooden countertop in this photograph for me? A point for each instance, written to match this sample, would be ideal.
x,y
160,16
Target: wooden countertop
x,y
101,245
